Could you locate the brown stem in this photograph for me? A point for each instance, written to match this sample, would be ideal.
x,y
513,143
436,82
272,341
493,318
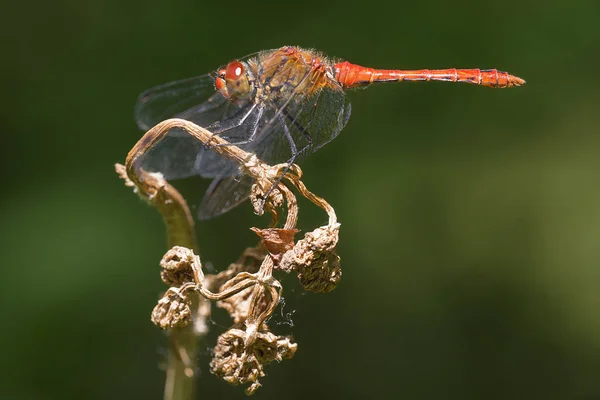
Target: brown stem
x,y
181,358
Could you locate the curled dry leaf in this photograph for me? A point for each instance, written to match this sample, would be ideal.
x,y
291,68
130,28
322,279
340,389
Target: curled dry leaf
x,y
277,241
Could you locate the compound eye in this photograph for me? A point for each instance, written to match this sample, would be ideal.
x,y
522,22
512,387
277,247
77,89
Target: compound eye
x,y
220,83
234,71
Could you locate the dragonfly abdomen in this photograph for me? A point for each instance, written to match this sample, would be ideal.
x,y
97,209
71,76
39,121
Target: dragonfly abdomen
x,y
352,75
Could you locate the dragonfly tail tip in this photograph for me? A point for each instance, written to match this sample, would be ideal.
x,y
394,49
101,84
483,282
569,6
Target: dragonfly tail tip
x,y
516,81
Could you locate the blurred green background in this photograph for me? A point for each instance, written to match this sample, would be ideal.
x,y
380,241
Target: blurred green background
x,y
470,236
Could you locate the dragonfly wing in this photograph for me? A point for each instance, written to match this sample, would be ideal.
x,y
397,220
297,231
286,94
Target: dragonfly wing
x,y
179,155
309,122
224,194
176,156
189,98
195,99
237,129
321,117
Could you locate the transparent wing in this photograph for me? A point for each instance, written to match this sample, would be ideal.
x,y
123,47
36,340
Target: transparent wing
x,y
301,127
281,133
175,156
194,99
179,155
223,194
186,98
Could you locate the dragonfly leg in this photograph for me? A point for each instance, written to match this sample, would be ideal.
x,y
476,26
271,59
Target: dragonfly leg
x,y
289,164
252,135
288,134
295,154
231,123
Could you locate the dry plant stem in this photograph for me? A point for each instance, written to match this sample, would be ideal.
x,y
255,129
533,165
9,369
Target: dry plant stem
x,y
248,281
159,131
249,162
294,179
292,206
181,357
169,203
266,290
180,382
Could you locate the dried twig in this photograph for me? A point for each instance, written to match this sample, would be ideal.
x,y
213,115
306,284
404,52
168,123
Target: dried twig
x,y
247,289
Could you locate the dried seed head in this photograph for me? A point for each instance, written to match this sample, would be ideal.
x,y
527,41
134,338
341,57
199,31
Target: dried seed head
x,y
173,310
322,275
315,260
239,362
257,198
178,266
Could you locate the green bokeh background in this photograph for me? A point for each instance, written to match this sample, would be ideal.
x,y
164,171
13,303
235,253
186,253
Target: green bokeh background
x,y
470,236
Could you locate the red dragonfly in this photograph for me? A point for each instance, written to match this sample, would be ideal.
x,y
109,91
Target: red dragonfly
x,y
281,104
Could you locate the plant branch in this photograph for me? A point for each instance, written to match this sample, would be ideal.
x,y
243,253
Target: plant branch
x,y
248,292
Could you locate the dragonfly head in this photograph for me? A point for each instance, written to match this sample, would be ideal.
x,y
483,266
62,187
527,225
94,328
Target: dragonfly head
x,y
233,81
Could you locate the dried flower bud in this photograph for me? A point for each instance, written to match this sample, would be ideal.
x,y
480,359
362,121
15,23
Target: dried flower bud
x,y
322,275
257,198
173,310
238,364
315,260
178,266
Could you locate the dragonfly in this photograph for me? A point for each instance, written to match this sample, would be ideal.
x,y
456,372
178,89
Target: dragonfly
x,y
281,104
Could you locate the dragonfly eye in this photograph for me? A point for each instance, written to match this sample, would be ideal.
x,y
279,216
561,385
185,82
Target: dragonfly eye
x,y
234,71
220,83
238,85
